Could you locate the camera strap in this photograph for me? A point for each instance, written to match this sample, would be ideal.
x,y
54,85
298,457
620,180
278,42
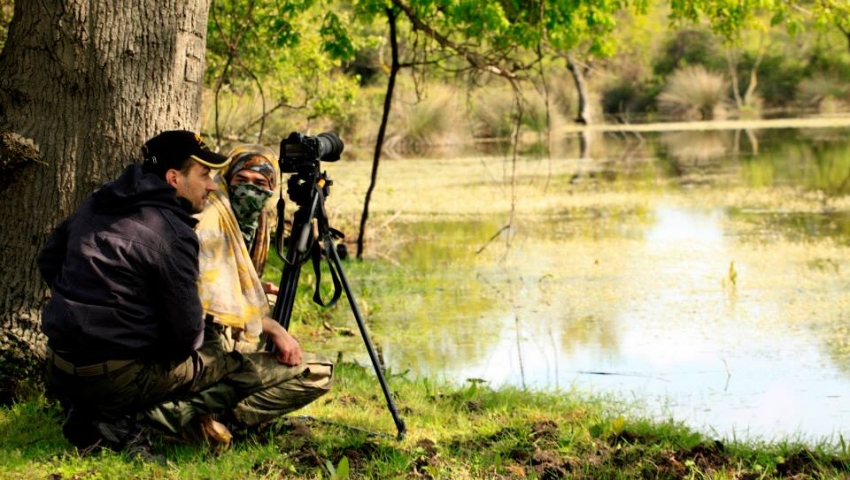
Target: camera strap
x,y
316,254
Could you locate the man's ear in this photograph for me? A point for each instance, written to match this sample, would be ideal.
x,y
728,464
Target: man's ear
x,y
171,177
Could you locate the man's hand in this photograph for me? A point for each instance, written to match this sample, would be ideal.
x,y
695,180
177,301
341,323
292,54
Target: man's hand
x,y
287,349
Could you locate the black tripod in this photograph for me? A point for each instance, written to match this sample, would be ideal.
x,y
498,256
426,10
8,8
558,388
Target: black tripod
x,y
308,189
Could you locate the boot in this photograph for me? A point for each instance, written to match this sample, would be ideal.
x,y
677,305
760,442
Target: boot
x,y
206,429
127,436
79,429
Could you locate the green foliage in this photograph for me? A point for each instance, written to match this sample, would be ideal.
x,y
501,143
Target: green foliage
x,y
688,47
780,75
340,472
726,17
624,98
275,57
273,68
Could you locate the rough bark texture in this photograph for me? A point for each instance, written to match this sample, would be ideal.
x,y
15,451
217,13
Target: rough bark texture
x,y
82,85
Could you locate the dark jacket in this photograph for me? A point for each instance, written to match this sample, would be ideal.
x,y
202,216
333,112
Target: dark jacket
x,y
122,271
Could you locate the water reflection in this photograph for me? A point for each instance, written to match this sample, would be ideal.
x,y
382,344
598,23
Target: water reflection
x,y
701,278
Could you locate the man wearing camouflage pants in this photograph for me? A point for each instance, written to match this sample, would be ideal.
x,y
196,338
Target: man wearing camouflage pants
x,y
125,328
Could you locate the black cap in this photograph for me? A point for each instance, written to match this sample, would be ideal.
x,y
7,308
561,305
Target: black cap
x,y
169,149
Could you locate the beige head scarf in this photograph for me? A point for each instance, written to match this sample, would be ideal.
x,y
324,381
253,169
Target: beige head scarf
x,y
229,285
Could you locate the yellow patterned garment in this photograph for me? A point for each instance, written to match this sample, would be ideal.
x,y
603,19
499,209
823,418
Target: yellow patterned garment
x,y
229,287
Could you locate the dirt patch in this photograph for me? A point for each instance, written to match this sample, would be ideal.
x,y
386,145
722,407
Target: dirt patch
x,y
545,430
796,464
548,465
426,459
707,457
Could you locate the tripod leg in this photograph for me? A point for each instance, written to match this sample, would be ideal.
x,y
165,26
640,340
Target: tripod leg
x,y
285,297
399,422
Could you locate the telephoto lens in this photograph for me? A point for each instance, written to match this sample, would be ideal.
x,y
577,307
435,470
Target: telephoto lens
x,y
330,146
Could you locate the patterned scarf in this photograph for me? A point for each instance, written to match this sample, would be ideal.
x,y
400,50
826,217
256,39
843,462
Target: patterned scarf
x,y
254,207
230,284
247,201
229,287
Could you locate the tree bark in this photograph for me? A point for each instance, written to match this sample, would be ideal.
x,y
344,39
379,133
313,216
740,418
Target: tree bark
x,y
578,73
82,85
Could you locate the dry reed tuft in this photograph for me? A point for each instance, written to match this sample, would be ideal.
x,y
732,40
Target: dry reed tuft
x,y
694,93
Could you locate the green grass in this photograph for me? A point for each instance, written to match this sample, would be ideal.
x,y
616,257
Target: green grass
x,y
453,432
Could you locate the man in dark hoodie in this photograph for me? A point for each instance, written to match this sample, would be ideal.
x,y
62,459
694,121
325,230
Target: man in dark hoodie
x,y
124,322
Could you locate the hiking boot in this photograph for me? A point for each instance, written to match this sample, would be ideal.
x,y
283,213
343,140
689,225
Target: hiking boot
x,y
79,429
214,431
127,436
143,452
205,428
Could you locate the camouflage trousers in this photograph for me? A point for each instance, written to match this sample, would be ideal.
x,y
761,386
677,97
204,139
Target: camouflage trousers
x,y
248,388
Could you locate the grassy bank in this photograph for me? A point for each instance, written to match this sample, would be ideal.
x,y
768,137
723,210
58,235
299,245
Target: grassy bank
x,y
453,432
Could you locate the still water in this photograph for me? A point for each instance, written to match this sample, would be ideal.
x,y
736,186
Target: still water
x,y
695,276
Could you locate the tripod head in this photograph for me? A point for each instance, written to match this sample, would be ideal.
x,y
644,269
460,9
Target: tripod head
x,y
308,186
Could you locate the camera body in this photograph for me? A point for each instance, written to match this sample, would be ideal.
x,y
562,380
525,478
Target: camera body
x,y
300,153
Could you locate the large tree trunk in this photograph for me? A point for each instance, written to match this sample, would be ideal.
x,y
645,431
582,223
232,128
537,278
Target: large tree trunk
x,y
82,84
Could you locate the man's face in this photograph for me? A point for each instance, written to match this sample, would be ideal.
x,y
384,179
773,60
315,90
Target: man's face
x,y
252,177
195,186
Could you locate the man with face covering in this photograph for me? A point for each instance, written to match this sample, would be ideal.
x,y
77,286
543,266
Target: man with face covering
x,y
234,233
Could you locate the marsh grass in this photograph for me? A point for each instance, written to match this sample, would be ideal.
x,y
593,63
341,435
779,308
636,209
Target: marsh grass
x,y
694,93
825,92
432,120
453,432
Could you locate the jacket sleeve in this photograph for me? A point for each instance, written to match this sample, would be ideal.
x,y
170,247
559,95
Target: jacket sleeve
x,y
181,317
52,256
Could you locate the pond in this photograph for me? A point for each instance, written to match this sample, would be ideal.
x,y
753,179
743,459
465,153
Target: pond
x,y
699,276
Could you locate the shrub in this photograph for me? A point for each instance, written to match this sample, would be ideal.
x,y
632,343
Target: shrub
x,y
432,120
778,78
493,112
694,93
824,92
624,98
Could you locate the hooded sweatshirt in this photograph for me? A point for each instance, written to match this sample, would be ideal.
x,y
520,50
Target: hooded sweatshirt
x,y
123,272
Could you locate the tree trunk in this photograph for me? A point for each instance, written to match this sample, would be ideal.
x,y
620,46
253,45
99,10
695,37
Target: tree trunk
x,y
82,85
578,73
379,143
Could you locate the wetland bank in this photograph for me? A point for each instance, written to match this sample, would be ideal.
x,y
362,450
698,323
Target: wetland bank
x,y
638,299
698,276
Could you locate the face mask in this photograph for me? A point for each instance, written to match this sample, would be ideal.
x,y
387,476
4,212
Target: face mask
x,y
247,201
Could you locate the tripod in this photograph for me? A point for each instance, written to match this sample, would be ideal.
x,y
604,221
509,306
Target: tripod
x,y
308,189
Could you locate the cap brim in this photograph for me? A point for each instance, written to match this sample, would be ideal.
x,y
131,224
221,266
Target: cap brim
x,y
211,159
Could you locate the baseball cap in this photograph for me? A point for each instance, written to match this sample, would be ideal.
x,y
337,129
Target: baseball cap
x,y
170,148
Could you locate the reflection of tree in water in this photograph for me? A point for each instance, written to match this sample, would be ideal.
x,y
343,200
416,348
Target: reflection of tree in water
x,y
589,331
837,340
796,226
436,308
822,166
689,149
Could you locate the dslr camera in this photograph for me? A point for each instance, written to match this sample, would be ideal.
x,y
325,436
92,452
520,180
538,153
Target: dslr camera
x,y
300,153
